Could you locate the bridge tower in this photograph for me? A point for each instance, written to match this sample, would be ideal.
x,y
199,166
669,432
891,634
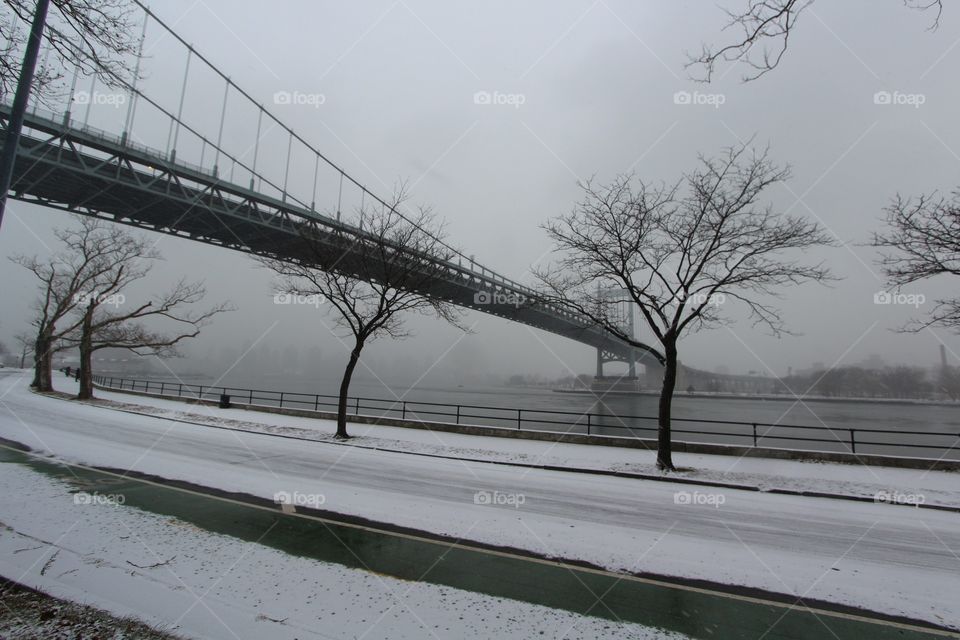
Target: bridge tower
x,y
622,312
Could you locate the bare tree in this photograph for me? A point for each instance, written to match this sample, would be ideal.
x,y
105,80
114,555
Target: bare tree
x,y
95,36
765,27
948,382
92,253
923,241
371,281
101,328
25,345
681,257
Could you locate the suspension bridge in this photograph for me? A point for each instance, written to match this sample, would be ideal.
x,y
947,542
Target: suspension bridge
x,y
93,158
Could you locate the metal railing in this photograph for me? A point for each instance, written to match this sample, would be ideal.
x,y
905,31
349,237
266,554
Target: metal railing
x,y
937,444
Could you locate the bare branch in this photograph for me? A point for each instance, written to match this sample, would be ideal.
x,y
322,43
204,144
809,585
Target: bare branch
x,y
97,37
765,28
922,242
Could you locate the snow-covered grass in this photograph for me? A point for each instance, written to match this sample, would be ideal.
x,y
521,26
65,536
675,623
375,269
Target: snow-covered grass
x,y
881,483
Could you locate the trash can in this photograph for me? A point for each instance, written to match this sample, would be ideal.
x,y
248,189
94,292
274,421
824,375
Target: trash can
x,y
224,401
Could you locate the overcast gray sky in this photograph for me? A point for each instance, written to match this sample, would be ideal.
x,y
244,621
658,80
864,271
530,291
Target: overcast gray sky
x,y
589,90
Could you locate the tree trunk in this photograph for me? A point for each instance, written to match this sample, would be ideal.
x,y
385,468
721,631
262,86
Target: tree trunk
x,y
37,356
664,444
344,390
86,357
46,370
43,363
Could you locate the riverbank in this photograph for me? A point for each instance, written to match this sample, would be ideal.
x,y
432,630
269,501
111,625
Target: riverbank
x,y
779,397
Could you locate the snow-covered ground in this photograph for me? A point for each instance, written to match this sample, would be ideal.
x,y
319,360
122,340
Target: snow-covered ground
x,y
881,483
206,585
895,560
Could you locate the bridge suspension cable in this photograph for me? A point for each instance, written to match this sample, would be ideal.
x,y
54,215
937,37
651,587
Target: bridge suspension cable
x,y
278,212
294,136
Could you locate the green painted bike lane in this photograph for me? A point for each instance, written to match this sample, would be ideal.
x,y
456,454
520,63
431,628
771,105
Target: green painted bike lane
x,y
695,610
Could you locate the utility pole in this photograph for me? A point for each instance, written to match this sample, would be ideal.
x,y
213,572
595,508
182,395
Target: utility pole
x,y
9,154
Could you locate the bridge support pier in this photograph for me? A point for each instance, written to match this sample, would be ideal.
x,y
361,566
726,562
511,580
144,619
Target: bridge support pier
x,y
626,382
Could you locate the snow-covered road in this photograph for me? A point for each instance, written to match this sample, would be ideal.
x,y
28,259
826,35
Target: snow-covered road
x,y
895,560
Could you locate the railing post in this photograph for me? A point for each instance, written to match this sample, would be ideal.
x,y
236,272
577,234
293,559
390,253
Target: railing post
x,y
518,418
250,396
316,402
179,389
853,442
403,416
458,414
281,398
754,434
588,423
200,395
356,411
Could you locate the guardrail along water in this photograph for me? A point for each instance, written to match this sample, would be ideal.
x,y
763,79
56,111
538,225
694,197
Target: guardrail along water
x,y
856,440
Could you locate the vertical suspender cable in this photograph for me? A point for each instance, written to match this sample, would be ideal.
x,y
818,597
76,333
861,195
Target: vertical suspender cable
x,y
223,114
183,93
340,196
316,168
43,70
93,85
286,171
131,108
256,145
72,94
